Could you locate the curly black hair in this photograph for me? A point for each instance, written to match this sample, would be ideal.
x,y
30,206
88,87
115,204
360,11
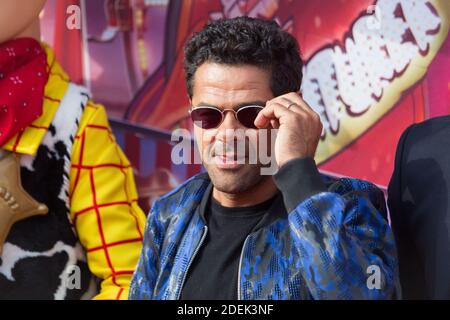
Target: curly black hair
x,y
250,41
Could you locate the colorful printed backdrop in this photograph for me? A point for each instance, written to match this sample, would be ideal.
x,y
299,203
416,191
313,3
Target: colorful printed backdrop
x,y
372,67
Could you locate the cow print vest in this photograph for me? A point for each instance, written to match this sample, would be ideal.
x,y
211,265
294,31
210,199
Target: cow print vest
x,y
42,257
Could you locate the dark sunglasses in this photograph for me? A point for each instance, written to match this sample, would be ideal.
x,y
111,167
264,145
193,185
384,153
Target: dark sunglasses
x,y
207,117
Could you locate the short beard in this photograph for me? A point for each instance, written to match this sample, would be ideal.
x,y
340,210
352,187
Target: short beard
x,y
235,182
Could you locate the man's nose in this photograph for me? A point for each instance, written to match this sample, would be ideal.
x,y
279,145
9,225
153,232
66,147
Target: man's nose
x,y
227,127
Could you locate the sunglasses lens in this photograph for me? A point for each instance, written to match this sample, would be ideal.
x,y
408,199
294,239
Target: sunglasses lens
x,y
247,116
206,118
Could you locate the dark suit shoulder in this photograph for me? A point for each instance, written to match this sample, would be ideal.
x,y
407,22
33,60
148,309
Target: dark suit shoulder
x,y
421,155
429,128
418,198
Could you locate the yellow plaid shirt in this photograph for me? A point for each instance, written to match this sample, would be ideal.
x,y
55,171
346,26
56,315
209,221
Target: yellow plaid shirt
x,y
103,197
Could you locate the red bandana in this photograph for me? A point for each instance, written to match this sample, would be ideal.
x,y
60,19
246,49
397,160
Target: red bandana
x,y
23,75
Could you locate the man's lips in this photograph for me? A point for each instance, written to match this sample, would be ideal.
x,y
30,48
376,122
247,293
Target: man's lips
x,y
229,161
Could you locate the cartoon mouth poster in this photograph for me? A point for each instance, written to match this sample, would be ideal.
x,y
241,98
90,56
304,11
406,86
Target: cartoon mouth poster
x,y
372,68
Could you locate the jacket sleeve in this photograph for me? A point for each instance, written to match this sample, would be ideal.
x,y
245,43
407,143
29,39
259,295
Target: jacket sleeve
x,y
417,199
396,185
104,208
410,261
346,245
144,278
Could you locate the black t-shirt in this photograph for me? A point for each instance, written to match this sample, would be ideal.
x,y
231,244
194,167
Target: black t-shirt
x,y
213,274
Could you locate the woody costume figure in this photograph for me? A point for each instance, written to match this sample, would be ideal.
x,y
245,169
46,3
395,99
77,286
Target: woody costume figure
x,y
70,226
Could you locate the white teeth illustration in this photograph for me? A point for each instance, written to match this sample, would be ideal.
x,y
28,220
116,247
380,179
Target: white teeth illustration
x,y
353,78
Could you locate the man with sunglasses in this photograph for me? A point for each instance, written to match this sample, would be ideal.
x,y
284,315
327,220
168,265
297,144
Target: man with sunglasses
x,y
235,233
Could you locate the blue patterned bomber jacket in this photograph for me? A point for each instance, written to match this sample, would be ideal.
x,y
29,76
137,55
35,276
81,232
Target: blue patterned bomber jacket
x,y
334,245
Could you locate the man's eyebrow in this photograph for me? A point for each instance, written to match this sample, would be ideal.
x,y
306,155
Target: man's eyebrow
x,y
240,105
252,103
204,104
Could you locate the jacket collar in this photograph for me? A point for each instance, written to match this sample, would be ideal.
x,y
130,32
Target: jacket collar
x,y
29,140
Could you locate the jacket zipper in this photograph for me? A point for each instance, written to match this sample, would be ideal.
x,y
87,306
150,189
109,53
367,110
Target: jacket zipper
x,y
205,231
239,271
